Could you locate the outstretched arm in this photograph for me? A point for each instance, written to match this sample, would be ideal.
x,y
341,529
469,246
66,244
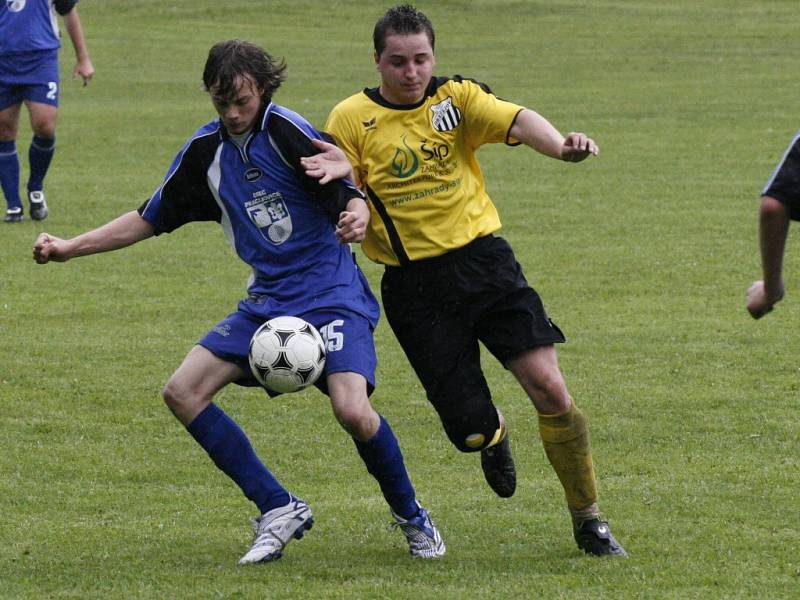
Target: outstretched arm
x,y
83,67
122,231
772,232
534,130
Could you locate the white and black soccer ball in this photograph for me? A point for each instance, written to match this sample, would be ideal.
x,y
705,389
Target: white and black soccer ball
x,y
287,354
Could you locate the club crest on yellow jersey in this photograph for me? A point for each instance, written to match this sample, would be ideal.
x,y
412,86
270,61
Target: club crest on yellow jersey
x,y
446,116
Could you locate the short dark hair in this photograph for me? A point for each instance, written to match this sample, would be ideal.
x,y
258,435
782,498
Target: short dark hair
x,y
236,58
403,19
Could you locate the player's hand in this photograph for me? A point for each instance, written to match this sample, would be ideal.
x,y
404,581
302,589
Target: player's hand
x,y
85,70
577,147
331,163
759,302
49,248
352,225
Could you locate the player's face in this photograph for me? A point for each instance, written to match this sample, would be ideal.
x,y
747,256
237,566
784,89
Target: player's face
x,y
239,113
406,66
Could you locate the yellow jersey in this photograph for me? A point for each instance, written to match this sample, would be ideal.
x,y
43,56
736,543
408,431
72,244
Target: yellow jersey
x,y
417,165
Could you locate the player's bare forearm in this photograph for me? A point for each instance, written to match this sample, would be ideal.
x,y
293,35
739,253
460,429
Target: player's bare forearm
x,y
773,230
353,221
119,233
772,233
534,130
83,67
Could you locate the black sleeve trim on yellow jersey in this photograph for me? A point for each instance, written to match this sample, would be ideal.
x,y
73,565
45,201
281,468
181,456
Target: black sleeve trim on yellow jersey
x,y
391,230
487,89
459,79
508,133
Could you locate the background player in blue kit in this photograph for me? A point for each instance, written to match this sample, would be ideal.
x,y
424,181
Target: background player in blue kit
x,y
780,204
243,171
29,43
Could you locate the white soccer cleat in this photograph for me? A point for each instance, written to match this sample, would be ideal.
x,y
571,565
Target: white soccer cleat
x,y
424,540
275,529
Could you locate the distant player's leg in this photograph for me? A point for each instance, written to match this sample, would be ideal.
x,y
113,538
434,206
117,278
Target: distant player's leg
x,y
40,154
9,159
565,436
41,99
189,395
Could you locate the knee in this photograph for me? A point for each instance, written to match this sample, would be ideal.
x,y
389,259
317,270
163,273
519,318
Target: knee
x,y
180,398
172,394
472,426
546,389
550,395
44,127
360,421
45,131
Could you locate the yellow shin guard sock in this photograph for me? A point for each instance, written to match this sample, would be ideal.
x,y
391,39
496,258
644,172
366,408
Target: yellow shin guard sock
x,y
566,443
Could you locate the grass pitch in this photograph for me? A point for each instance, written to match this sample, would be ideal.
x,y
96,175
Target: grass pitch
x,y
642,256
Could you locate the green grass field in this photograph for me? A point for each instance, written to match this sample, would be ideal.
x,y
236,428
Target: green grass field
x,y
642,257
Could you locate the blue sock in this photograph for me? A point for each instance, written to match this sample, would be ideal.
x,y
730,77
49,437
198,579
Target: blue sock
x,y
9,173
381,453
40,154
229,448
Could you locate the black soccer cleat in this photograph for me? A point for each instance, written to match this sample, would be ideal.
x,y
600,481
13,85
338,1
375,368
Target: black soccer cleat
x,y
594,537
37,205
13,215
498,468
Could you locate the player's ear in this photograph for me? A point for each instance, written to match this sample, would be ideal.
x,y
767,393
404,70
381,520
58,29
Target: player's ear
x,y
376,57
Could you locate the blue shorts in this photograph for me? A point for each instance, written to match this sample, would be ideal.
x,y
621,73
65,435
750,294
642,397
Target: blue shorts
x,y
348,343
29,76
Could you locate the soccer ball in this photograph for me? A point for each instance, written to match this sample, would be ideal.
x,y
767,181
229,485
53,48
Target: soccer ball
x,y
287,354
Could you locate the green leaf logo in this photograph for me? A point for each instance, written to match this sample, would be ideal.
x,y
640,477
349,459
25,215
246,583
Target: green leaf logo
x,y
405,162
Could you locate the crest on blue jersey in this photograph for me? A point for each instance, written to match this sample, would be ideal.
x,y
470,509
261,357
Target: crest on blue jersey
x,y
15,5
270,214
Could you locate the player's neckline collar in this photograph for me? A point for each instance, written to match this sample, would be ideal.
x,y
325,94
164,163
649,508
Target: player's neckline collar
x,y
374,94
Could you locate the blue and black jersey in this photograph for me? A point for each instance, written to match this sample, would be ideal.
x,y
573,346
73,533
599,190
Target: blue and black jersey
x,y
31,25
278,220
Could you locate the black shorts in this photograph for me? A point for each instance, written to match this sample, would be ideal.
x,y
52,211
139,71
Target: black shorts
x,y
784,183
440,308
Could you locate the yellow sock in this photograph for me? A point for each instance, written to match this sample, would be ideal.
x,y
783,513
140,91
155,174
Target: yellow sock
x,y
566,443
